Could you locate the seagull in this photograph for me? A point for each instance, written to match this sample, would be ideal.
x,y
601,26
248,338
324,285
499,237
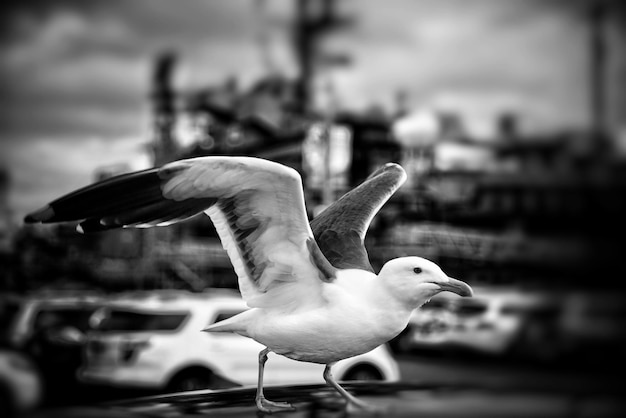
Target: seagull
x,y
312,293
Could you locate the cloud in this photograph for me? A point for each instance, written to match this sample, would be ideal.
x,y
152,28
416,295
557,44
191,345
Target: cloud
x,y
75,82
50,167
480,51
75,75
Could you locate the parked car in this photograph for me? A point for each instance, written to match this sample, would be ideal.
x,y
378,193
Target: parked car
x,y
154,341
24,317
20,384
513,322
494,322
50,328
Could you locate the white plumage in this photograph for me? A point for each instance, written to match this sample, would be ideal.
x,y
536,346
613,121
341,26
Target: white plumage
x,y
308,303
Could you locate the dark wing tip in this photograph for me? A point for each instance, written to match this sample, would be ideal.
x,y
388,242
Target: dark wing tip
x,y
42,215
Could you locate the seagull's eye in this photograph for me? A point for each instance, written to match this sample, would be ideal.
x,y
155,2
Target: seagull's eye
x,y
417,270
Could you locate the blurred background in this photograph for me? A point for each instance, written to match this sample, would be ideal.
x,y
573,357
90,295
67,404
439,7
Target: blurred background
x,y
508,115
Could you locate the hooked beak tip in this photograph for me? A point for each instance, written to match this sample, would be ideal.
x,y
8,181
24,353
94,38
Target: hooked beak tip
x,y
458,287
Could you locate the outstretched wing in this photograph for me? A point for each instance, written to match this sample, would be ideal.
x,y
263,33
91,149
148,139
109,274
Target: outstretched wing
x,y
257,207
340,229
128,200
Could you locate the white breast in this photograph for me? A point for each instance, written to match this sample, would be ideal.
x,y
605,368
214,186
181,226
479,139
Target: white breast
x,y
353,321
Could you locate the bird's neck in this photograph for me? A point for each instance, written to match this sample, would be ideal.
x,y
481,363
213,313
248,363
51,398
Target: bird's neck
x,y
404,293
382,307
388,304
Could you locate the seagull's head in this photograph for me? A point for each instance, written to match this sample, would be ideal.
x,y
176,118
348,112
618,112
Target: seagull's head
x,y
414,280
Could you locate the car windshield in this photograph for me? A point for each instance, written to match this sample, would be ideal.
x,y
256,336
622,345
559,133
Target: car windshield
x,y
471,309
77,317
127,320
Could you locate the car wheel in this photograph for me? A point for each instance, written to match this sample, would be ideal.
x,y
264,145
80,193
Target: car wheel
x,y
363,372
191,379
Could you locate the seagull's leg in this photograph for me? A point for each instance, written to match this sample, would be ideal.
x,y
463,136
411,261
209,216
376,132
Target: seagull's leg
x,y
263,404
328,377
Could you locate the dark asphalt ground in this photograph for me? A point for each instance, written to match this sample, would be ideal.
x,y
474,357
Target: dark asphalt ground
x,y
480,387
511,388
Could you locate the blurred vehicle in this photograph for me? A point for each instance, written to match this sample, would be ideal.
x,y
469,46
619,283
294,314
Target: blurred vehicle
x,y
50,328
154,341
428,327
510,322
492,322
24,317
20,384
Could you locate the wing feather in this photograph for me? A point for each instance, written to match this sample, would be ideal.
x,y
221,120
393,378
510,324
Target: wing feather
x,y
116,194
256,205
340,229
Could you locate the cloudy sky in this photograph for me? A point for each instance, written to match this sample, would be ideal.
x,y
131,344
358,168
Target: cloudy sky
x,y
74,74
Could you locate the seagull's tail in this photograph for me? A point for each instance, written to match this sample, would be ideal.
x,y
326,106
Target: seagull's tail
x,y
237,324
218,327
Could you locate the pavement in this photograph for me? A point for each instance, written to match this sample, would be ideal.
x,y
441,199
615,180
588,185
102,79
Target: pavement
x,y
462,386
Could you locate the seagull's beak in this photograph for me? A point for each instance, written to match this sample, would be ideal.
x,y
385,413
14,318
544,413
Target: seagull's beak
x,y
456,286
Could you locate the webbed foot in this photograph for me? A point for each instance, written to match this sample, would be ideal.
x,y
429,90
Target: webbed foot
x,y
269,407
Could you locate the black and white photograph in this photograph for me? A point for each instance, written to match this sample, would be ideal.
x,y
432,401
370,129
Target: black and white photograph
x,y
312,208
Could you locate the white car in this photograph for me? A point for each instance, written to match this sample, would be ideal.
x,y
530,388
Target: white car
x,y
155,342
23,317
507,322
494,321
